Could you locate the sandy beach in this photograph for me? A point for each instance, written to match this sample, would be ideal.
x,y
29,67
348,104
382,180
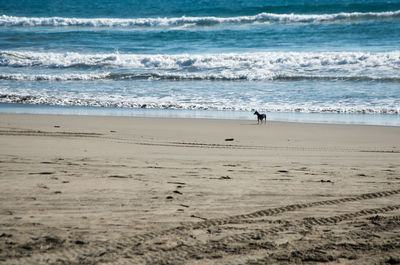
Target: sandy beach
x,y
121,190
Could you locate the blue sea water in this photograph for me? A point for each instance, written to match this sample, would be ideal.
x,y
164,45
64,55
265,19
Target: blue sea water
x,y
294,56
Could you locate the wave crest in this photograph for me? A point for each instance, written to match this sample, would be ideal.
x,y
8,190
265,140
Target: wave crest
x,y
142,103
231,66
191,77
59,77
13,21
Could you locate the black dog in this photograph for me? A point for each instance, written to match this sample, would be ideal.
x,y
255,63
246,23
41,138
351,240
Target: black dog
x,y
260,117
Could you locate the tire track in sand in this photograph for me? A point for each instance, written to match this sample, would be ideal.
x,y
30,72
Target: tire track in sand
x,y
44,133
347,246
96,249
240,243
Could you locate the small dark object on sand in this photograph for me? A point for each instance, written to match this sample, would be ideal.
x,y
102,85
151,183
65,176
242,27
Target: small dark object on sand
x,y
177,192
175,182
225,177
328,180
169,197
118,177
393,260
229,139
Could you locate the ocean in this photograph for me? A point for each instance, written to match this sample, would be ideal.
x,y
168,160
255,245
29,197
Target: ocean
x,y
329,61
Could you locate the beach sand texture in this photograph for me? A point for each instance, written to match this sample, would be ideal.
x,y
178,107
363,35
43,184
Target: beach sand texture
x,y
121,190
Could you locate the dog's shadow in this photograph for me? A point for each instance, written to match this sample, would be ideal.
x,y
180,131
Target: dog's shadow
x,y
250,124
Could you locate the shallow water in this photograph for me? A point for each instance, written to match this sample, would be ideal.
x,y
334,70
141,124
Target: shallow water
x,y
324,118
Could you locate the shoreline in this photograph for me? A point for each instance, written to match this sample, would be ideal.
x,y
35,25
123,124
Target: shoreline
x,y
102,189
296,117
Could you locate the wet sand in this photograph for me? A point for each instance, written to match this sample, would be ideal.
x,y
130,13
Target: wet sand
x,y
96,190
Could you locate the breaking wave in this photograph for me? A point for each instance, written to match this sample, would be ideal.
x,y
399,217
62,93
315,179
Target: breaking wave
x,y
48,77
66,100
12,21
290,66
187,77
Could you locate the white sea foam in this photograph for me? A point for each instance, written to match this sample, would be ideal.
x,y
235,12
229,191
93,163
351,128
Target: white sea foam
x,y
53,77
351,66
180,103
186,77
12,21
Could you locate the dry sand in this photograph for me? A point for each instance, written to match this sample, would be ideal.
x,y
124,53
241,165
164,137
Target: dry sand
x,y
120,190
